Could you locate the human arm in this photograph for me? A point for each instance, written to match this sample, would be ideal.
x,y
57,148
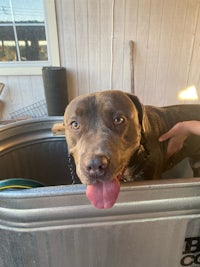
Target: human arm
x,y
178,134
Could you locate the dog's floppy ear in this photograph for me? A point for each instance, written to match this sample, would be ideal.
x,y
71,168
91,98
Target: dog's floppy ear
x,y
141,117
139,107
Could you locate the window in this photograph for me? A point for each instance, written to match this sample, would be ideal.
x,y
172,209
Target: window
x,y
26,44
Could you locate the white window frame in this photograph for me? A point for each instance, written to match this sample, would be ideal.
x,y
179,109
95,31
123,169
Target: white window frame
x,y
35,67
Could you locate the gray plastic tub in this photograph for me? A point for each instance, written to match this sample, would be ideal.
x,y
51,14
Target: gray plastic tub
x,y
154,224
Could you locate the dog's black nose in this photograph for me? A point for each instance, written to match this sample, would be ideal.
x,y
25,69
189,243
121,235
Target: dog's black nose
x,y
97,166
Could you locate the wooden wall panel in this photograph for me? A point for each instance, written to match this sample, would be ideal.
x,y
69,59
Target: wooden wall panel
x,y
20,92
193,68
173,72
164,46
130,34
106,35
82,47
165,42
94,45
143,23
118,44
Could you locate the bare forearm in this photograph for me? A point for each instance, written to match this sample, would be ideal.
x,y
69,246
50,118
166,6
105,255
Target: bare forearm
x,y
192,127
177,135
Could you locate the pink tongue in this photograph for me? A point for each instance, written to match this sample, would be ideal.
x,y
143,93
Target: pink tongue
x,y
103,195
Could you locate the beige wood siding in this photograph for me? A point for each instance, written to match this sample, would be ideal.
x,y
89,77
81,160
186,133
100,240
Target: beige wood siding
x,y
94,42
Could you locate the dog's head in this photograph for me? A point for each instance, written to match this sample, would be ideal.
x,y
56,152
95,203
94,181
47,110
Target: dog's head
x,y
103,130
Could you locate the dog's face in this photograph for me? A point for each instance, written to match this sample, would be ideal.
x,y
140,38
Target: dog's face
x,y
102,132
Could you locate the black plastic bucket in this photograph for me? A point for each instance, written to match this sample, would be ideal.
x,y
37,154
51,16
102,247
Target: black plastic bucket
x,y
55,87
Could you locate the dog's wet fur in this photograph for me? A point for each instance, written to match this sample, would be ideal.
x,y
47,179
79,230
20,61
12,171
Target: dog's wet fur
x,y
112,131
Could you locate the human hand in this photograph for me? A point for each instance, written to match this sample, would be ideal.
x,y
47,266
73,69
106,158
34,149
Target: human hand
x,y
176,136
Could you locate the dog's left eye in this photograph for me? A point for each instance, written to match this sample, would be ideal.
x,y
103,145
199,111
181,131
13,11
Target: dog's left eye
x,y
75,125
118,120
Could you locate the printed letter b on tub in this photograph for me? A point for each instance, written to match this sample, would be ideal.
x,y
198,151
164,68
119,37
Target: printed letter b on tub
x,y
192,245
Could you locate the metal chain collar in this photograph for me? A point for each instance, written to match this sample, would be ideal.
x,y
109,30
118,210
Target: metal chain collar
x,y
72,170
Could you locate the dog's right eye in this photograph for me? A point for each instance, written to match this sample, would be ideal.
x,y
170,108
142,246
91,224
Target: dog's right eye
x,y
75,125
118,120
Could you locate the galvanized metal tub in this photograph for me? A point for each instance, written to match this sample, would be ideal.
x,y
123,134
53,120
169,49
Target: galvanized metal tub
x,y
150,225
155,224
28,149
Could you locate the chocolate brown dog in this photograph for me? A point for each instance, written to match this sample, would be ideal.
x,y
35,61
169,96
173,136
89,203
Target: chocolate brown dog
x,y
111,133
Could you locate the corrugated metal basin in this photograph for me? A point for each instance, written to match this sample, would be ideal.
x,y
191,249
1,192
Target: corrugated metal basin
x,y
154,224
28,149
